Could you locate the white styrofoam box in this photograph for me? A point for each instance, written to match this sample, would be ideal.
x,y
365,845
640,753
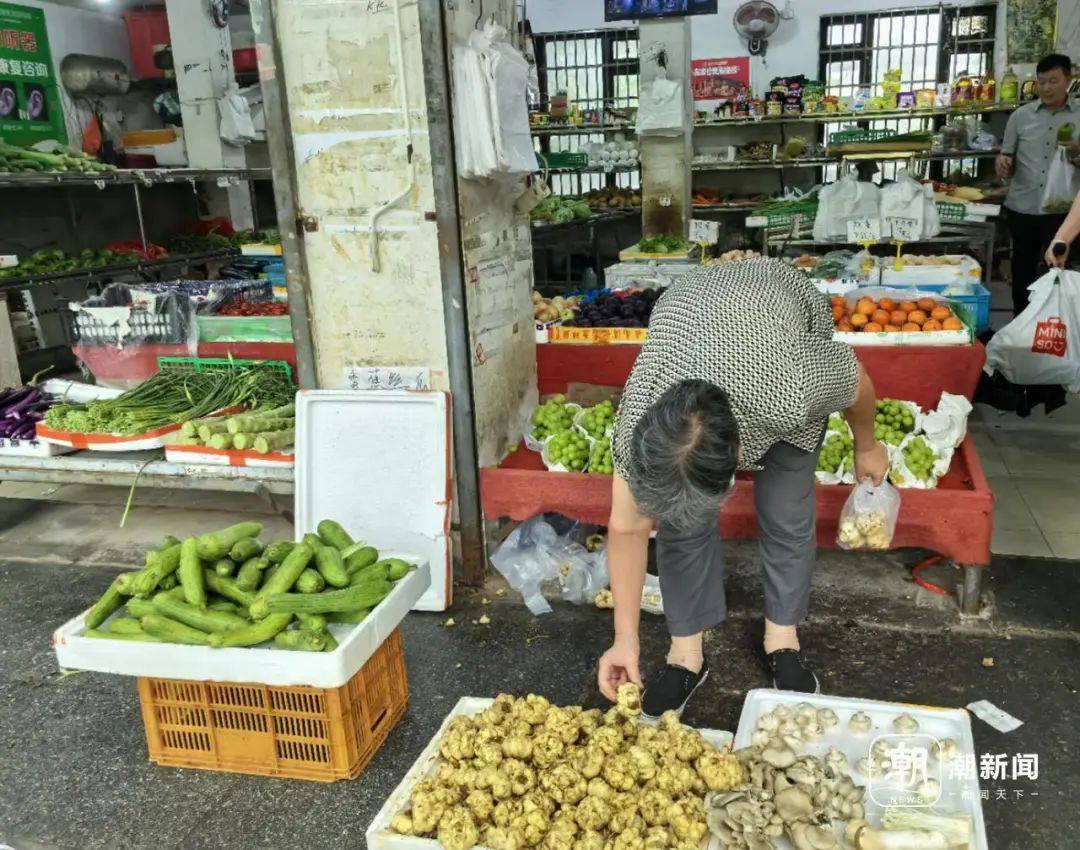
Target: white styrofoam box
x,y
379,462
31,448
958,795
154,439
935,338
964,269
76,392
264,664
206,456
380,837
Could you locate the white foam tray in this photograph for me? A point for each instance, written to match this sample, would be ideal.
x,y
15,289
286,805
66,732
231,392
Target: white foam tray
x,y
380,837
955,723
31,448
379,462
263,664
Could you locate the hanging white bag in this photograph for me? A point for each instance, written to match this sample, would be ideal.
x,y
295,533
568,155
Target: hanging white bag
x,y
661,110
1062,183
1042,344
473,124
235,125
508,90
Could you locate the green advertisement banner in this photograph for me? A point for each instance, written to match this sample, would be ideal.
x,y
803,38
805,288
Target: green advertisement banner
x,y
30,109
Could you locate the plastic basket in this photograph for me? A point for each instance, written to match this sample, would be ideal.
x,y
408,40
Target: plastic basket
x,y
951,212
206,364
806,213
94,326
856,137
565,159
299,733
245,329
976,304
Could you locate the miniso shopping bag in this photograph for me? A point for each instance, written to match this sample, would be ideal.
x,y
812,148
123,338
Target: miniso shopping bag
x,y
1042,344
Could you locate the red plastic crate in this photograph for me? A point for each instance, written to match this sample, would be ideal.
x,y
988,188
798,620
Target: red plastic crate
x,y
145,29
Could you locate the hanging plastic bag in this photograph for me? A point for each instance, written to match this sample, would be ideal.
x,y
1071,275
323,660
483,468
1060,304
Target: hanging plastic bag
x,y
1062,183
661,111
235,126
868,518
473,124
1042,344
844,200
509,84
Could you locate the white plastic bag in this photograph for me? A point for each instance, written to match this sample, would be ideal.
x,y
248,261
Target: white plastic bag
x,y
947,426
868,518
661,110
902,475
508,73
1042,344
842,201
838,430
1062,183
473,124
235,126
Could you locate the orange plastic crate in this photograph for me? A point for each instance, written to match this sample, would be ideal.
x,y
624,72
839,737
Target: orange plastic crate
x,y
300,732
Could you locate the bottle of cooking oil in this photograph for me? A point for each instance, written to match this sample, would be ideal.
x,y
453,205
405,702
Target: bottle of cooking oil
x,y
988,89
1030,89
1010,87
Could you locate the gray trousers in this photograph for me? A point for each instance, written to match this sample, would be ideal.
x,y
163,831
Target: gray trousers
x,y
691,563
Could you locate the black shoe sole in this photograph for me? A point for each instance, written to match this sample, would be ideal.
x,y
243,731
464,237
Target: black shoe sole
x,y
817,686
679,710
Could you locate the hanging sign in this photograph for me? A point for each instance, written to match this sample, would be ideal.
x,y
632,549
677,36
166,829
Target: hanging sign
x,y
719,79
863,230
704,232
30,109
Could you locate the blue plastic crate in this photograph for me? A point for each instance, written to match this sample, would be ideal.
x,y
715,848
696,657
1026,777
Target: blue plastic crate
x,y
978,302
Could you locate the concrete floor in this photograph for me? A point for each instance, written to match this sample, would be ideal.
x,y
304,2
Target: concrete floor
x,y
73,757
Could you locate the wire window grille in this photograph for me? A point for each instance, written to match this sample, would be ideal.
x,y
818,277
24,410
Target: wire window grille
x,y
928,45
597,70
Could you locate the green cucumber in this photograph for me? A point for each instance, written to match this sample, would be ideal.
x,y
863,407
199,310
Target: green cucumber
x,y
225,567
124,626
365,556
171,631
137,636
226,587
227,606
350,617
276,552
125,582
139,608
170,582
250,573
259,632
301,639
191,573
331,567
334,534
245,548
312,622
110,601
397,569
282,580
218,543
160,564
310,581
189,615
331,643
314,541
372,572
366,595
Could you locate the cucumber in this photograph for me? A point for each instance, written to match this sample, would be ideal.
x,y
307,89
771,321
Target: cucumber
x,y
245,548
372,572
301,639
312,622
365,556
189,615
331,567
160,564
125,582
225,567
331,643
314,541
334,534
276,552
139,608
139,636
310,582
110,601
170,582
250,573
259,632
350,617
226,587
218,543
124,626
226,606
397,569
282,580
171,631
191,573
366,595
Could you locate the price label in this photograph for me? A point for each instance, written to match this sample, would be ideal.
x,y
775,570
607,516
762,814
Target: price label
x,y
904,229
704,232
860,230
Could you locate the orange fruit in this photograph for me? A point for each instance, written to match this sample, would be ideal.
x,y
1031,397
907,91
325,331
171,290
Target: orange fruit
x,y
887,304
858,319
865,306
940,313
898,317
927,304
910,327
871,328
838,312
908,306
931,325
845,326
880,316
952,324
917,317
891,329
838,299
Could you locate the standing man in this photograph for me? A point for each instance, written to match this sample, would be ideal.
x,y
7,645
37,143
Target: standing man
x,y
739,371
1031,140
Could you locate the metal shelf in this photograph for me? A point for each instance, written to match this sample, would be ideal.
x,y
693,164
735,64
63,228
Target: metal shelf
x,y
580,129
838,117
113,270
132,177
593,169
819,161
595,218
744,165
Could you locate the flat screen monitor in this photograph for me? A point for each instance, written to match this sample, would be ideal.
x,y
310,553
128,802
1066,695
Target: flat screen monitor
x,y
625,10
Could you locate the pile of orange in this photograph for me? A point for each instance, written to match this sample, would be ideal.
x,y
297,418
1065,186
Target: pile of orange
x,y
890,316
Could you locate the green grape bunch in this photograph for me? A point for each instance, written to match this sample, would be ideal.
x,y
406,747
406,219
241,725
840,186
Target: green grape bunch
x,y
835,452
919,457
600,459
551,416
569,448
596,419
893,420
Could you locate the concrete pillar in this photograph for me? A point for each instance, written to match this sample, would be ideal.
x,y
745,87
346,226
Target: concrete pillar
x,y
202,56
665,160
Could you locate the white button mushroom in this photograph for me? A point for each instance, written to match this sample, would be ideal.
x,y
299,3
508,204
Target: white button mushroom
x,y
827,718
905,724
943,750
836,759
860,723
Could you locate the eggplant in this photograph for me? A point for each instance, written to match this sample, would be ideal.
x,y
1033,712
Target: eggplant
x,y
18,396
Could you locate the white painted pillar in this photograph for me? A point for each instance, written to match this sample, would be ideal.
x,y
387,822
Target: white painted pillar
x,y
202,57
665,160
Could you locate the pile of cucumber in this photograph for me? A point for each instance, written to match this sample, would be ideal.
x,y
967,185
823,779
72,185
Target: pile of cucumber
x,y
227,589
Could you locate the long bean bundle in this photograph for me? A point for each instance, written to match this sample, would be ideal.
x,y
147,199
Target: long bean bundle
x,y
171,397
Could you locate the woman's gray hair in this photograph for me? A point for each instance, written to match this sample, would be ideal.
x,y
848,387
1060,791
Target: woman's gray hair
x,y
683,455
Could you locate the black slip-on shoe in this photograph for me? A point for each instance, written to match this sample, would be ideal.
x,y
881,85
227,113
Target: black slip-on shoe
x,y
790,673
670,688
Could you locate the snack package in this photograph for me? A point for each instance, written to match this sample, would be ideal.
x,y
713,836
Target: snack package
x,y
868,518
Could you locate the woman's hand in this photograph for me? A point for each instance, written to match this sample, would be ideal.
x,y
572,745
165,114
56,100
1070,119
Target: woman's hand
x,y
618,665
1057,261
871,462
